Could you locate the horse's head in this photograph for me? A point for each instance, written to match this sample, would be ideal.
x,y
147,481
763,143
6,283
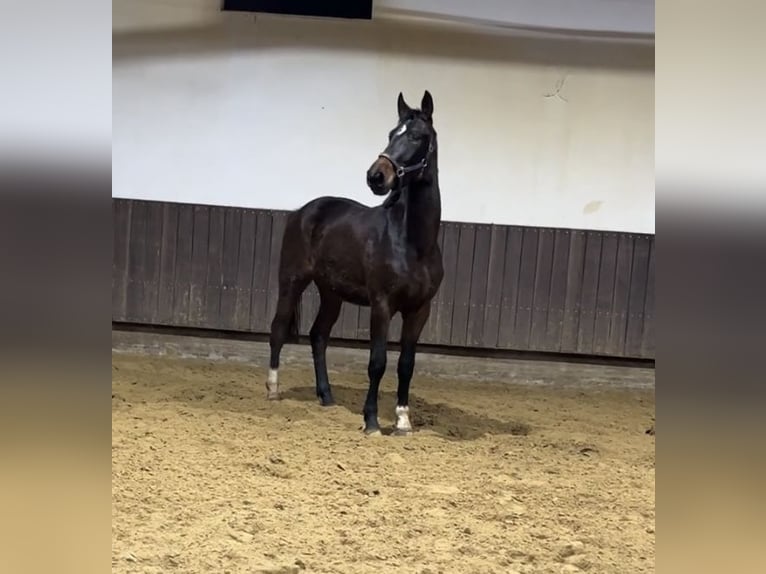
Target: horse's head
x,y
410,147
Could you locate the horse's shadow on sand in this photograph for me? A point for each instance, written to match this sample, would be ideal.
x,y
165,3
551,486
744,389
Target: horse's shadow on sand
x,y
447,421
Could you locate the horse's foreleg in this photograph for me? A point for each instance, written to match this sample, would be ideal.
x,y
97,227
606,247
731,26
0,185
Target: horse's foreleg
x,y
329,309
412,327
289,297
379,322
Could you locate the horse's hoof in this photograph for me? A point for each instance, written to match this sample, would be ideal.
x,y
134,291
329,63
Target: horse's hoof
x,y
327,402
402,432
273,397
372,433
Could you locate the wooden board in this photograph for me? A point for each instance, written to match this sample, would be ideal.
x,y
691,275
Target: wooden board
x,y
621,296
589,292
494,296
647,339
607,274
538,331
478,292
446,295
214,275
121,240
137,271
637,296
526,288
229,269
168,243
463,276
245,265
278,223
431,330
198,292
183,267
259,320
509,301
504,287
573,298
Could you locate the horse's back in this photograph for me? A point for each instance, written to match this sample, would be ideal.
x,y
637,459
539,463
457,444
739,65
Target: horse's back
x,y
328,209
331,216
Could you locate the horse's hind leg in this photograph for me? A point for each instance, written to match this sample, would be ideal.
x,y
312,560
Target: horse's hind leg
x,y
329,309
285,321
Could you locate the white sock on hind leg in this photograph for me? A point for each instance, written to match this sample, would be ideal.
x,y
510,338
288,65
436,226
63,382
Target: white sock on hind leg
x,y
273,382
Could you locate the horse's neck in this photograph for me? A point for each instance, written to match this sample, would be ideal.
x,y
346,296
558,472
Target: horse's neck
x,y
423,212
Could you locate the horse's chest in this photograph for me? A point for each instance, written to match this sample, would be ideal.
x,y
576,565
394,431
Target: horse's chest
x,y
412,283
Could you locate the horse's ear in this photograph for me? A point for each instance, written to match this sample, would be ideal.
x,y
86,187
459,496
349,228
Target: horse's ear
x,y
427,105
402,107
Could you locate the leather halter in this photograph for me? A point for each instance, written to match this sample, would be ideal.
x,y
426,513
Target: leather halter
x,y
402,170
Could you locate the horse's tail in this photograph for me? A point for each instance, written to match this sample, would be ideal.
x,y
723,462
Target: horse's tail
x,y
293,331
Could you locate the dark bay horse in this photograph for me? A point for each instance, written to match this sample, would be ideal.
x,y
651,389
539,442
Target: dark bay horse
x,y
386,257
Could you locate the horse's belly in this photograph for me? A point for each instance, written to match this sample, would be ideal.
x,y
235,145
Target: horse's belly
x,y
348,288
352,294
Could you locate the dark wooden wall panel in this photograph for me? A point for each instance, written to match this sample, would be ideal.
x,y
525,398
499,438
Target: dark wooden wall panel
x,y
478,291
647,340
278,223
245,262
230,266
639,278
431,330
214,276
619,310
505,287
589,292
309,308
463,273
200,248
136,263
605,292
168,248
260,283
446,295
557,297
363,330
541,293
510,298
120,245
526,288
575,268
494,296
182,286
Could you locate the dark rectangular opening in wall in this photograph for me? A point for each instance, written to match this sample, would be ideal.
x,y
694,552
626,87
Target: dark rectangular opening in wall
x,y
353,9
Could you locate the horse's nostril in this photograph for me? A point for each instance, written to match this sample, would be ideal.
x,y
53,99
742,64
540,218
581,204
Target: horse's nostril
x,y
376,177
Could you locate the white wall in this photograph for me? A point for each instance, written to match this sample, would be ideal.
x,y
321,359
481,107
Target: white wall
x,y
609,16
273,113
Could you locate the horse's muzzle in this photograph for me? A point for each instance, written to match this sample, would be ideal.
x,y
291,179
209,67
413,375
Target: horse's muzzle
x,y
381,176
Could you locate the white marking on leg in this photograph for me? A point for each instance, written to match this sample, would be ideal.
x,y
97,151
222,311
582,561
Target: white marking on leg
x,y
273,383
403,419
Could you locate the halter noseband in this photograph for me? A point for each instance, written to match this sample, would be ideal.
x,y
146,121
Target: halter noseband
x,y
402,170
